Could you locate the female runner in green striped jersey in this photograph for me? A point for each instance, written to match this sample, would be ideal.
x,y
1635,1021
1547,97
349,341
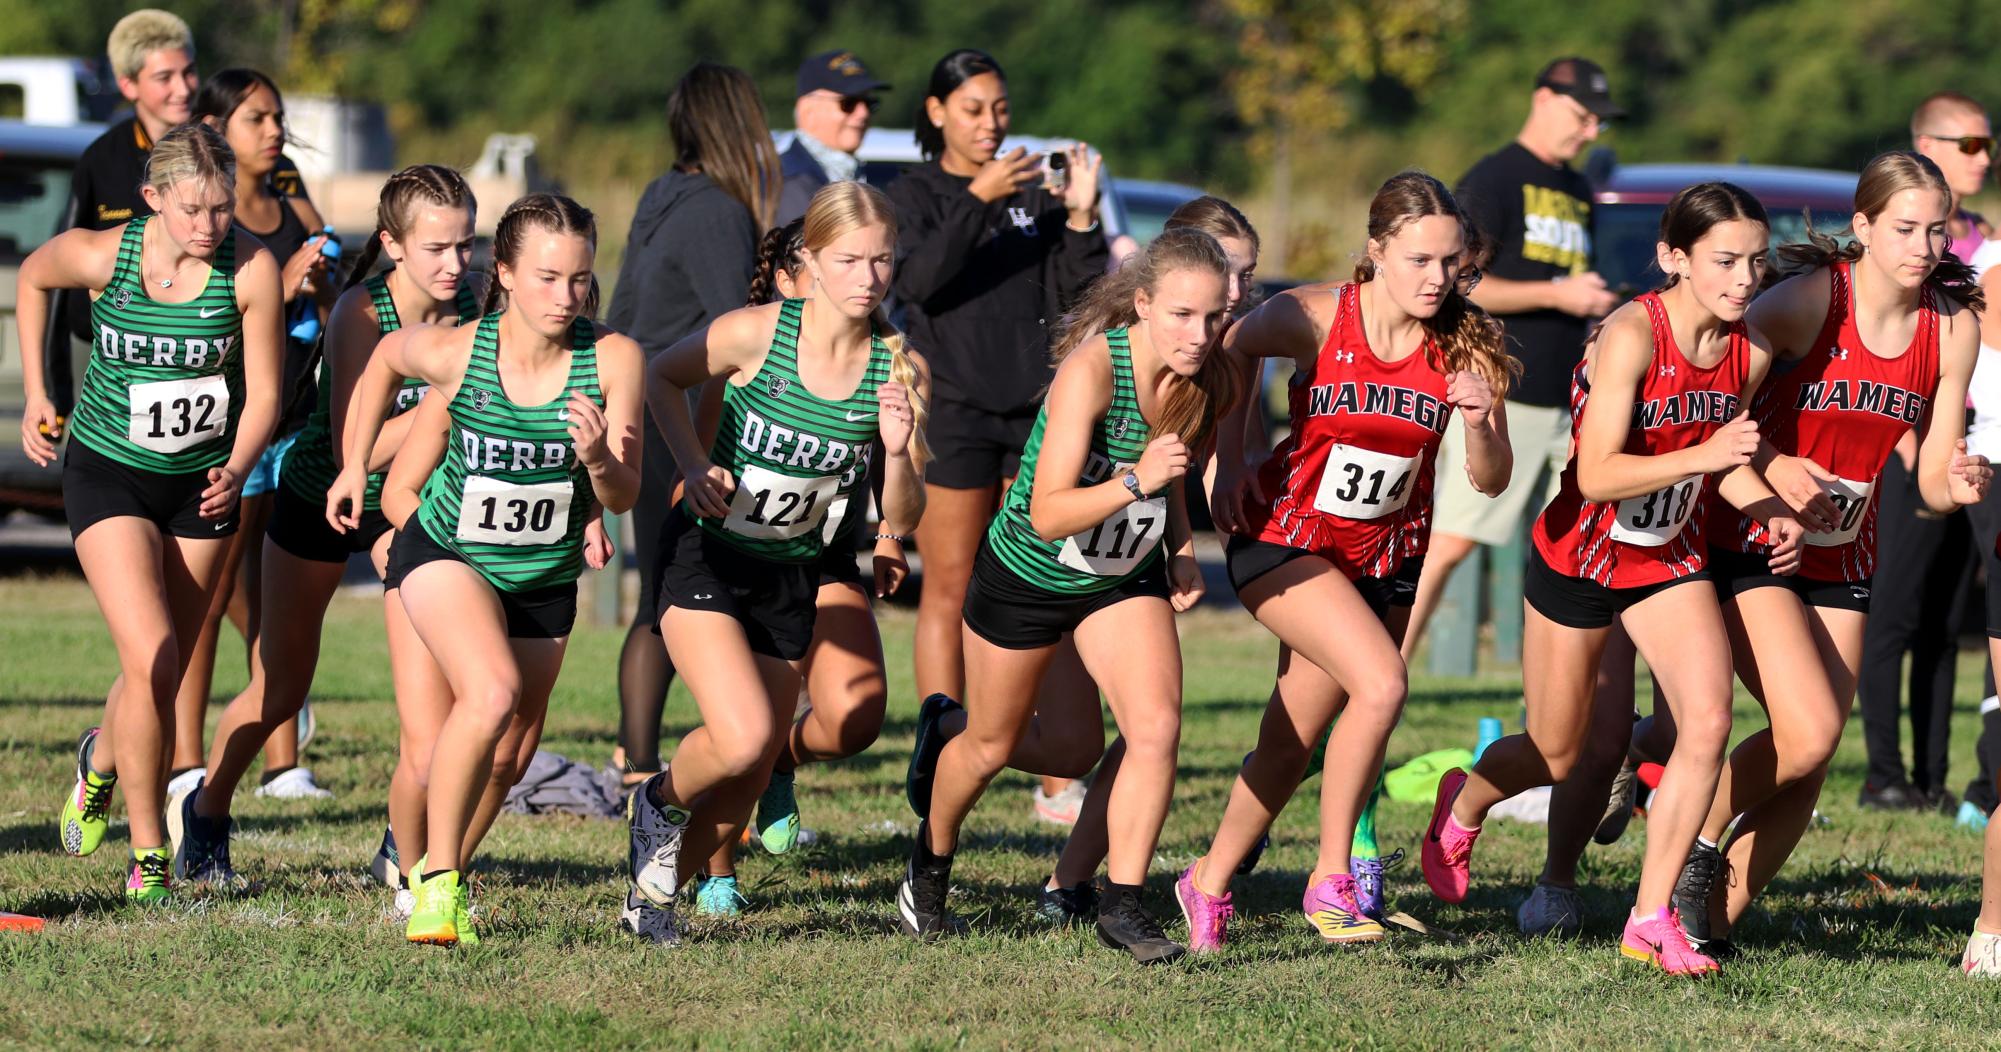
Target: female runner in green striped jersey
x,y
737,594
533,418
424,224
1077,551
177,402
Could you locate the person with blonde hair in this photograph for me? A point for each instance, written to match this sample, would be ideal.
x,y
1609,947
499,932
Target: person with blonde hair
x,y
1092,545
810,386
177,403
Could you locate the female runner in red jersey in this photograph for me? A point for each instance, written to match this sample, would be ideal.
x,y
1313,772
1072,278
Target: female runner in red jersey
x,y
1658,403
1329,563
1876,338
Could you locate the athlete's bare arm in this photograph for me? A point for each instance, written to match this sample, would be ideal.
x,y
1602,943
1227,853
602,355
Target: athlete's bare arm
x,y
1620,358
423,447
1079,398
1948,478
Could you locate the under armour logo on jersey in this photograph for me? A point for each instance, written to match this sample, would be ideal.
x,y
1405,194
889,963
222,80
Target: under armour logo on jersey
x,y
777,386
481,399
1838,352
1667,370
1344,356
124,297
1021,219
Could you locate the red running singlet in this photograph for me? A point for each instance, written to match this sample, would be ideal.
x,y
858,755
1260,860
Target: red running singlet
x,y
1352,482
1843,407
1656,536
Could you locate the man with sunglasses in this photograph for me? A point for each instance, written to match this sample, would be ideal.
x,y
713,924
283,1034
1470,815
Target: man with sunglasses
x,y
838,96
1924,561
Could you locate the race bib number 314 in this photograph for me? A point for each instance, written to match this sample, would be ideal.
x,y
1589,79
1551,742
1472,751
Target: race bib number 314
x,y
1360,483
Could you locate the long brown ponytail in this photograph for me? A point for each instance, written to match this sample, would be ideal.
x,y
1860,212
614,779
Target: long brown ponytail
x,y
551,212
1886,176
1190,406
1466,337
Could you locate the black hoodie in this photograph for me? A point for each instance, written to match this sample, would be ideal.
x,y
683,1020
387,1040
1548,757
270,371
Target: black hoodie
x,y
983,285
688,260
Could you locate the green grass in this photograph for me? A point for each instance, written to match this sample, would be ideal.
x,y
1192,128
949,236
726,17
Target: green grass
x,y
312,959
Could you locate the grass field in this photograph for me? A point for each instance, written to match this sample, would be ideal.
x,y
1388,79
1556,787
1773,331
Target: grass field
x,y
313,958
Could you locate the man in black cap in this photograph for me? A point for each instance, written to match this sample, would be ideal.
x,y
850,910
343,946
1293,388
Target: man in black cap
x,y
837,97
1536,213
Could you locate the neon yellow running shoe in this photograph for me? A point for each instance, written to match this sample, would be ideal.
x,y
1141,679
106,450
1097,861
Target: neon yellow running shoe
x,y
87,808
152,879
462,913
435,919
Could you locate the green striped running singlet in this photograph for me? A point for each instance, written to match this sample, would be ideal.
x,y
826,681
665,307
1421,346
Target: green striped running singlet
x,y
510,496
795,456
164,385
309,466
1115,549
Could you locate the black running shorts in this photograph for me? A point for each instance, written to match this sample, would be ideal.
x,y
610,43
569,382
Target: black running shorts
x,y
96,487
544,613
1015,615
774,602
1736,573
1578,603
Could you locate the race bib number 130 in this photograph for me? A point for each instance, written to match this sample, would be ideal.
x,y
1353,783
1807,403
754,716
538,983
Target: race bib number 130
x,y
495,511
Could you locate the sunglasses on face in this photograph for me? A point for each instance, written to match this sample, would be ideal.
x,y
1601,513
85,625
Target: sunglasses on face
x,y
849,102
1968,144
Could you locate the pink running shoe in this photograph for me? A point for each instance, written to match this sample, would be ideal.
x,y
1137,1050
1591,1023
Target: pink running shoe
x,y
1208,917
1658,939
1447,848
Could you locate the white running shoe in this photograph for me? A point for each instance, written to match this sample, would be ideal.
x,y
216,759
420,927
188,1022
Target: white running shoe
x,y
1982,958
654,855
295,784
185,782
1550,910
406,902
1063,808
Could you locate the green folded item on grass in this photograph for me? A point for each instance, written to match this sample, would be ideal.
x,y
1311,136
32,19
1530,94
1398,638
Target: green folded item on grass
x,y
1417,781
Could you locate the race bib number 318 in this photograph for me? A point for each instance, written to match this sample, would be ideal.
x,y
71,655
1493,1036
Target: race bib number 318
x,y
1656,518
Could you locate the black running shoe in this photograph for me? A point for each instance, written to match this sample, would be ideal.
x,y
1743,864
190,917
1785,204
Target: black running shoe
x,y
1896,796
1691,893
920,899
201,845
924,754
1069,906
1124,924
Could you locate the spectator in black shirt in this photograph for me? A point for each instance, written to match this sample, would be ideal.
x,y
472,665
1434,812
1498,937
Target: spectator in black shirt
x,y
688,258
987,260
1536,212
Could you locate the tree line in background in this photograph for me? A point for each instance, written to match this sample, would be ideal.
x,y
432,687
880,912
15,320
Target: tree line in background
x,y
1295,104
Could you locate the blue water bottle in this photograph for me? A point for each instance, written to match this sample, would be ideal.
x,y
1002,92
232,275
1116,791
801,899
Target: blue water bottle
x,y
1490,732
305,320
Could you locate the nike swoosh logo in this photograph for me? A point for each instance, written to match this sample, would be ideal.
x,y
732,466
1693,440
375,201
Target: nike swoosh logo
x,y
210,312
854,417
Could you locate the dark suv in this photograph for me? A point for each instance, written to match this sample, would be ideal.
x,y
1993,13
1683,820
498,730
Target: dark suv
x,y
1626,218
36,162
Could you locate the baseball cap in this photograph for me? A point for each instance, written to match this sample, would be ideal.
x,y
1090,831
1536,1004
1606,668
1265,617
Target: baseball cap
x,y
837,71
1583,80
